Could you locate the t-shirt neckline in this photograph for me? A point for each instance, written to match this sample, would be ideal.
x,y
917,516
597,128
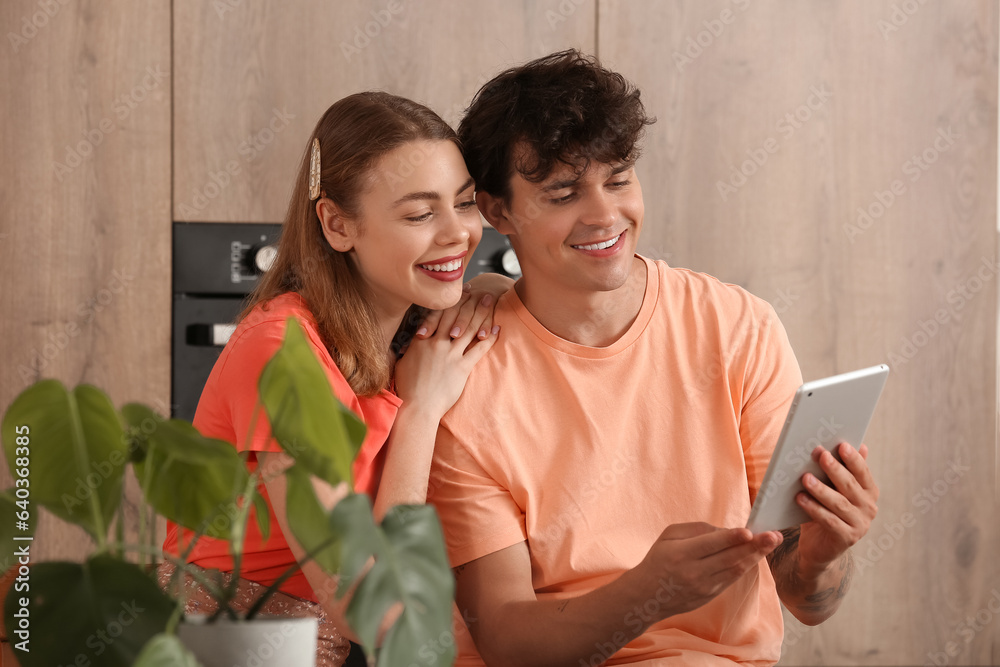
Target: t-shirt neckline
x,y
585,351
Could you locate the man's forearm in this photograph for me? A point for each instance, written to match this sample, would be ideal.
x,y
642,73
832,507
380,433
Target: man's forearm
x,y
812,595
564,632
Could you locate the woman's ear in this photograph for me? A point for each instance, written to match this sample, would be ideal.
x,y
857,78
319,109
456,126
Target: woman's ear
x,y
337,228
495,212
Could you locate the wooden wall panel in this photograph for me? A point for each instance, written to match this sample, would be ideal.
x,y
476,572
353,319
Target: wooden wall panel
x,y
777,122
85,204
242,66
85,248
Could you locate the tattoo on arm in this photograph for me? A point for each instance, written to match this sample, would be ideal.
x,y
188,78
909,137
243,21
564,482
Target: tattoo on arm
x,y
821,601
783,561
818,602
847,567
822,596
776,559
562,605
458,570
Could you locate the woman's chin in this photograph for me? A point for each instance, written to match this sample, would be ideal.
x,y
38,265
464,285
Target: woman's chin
x,y
445,298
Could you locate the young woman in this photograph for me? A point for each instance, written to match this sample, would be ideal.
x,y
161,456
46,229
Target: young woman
x,y
382,218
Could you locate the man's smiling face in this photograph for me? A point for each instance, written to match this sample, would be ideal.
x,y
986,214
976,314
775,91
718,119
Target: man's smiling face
x,y
576,229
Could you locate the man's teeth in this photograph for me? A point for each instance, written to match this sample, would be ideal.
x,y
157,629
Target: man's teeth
x,y
599,246
453,265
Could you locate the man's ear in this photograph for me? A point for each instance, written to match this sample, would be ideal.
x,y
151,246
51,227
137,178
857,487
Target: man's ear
x,y
495,212
337,228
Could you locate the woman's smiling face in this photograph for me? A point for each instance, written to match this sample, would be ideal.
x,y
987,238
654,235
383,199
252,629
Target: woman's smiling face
x,y
417,227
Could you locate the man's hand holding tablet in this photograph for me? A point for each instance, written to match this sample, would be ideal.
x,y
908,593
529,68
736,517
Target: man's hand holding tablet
x,y
823,415
819,477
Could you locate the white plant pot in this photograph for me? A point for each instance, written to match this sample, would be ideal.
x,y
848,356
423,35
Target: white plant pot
x,y
263,642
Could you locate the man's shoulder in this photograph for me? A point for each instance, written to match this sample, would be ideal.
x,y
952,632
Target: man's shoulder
x,y
503,374
678,285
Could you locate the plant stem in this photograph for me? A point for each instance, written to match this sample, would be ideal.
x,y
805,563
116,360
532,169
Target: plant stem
x,y
119,519
239,537
273,588
143,538
174,619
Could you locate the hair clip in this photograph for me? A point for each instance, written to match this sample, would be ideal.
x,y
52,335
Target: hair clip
x,y
315,171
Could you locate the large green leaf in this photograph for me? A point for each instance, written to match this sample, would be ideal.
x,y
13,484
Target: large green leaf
x,y
306,418
13,526
166,651
192,480
100,612
411,567
76,452
352,518
309,521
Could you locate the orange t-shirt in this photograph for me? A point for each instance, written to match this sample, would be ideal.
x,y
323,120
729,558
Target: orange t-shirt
x,y
225,410
589,453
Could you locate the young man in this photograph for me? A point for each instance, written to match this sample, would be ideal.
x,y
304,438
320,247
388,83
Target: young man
x,y
594,477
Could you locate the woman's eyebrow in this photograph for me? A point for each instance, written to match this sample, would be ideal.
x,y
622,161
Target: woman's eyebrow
x,y
427,194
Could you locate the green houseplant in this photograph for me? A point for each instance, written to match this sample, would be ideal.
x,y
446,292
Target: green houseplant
x,y
73,448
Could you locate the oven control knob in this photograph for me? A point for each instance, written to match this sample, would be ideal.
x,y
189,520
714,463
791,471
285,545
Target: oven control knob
x,y
263,257
506,262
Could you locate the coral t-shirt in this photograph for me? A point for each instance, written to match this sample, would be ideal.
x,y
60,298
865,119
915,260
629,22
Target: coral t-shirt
x,y
225,409
588,454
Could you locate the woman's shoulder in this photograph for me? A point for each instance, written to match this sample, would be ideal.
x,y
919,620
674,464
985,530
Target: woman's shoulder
x,y
279,309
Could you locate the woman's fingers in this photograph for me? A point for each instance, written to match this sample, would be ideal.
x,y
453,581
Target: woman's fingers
x,y
482,318
470,314
474,310
430,324
479,347
473,331
442,322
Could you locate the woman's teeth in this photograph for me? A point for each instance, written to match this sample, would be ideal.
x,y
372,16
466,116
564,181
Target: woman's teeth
x,y
453,265
599,246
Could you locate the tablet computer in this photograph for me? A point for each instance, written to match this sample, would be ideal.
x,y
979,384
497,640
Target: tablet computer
x,y
824,412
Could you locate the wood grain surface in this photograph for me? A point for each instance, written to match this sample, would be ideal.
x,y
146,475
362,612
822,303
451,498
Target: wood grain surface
x,y
252,81
836,158
85,205
778,121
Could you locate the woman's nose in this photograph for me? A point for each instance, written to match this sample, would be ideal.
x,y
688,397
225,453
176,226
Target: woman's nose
x,y
453,229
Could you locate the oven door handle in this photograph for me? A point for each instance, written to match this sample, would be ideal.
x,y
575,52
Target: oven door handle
x,y
209,335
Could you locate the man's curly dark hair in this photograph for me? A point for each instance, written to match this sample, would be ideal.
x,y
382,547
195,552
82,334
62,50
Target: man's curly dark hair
x,y
565,107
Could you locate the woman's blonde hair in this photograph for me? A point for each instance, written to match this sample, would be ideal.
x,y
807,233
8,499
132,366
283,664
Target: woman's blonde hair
x,y
354,134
